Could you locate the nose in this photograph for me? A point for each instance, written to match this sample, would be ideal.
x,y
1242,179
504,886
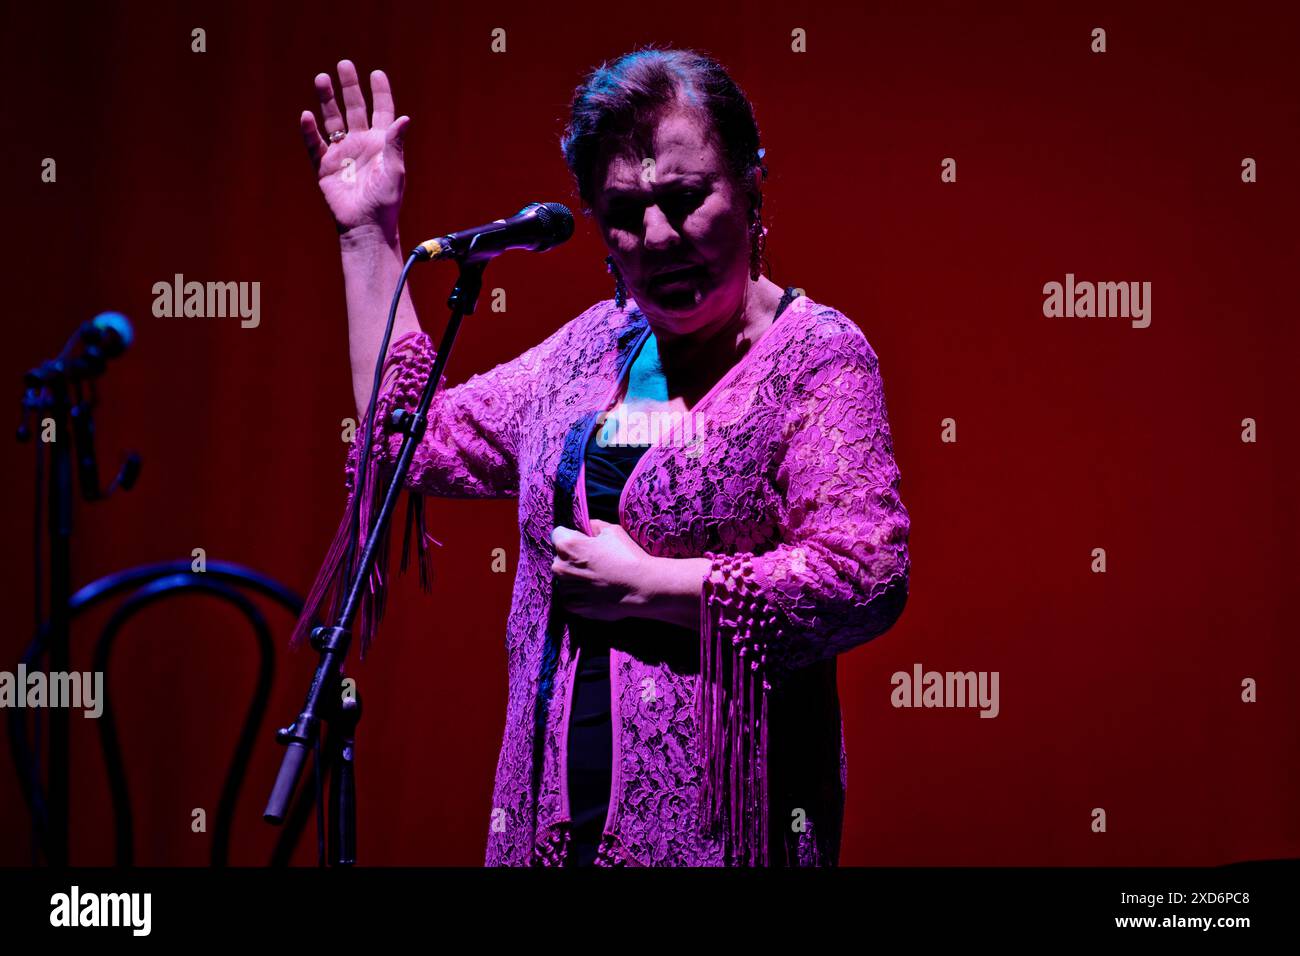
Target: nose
x,y
659,232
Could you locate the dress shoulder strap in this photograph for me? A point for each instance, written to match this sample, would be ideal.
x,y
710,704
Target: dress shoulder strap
x,y
791,293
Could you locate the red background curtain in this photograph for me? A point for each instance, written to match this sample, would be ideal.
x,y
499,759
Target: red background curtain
x,y
1119,690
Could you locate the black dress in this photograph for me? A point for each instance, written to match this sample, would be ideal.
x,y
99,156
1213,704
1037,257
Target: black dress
x,y
591,741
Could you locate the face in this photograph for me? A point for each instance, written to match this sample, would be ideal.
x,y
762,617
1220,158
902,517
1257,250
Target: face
x,y
676,224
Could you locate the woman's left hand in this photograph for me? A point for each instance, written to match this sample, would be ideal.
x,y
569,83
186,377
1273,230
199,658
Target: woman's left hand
x,y
603,576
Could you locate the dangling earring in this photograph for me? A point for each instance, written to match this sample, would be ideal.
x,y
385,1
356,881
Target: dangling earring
x,y
620,290
757,241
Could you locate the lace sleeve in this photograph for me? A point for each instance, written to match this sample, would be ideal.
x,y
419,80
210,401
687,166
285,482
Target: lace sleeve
x,y
838,578
840,575
469,450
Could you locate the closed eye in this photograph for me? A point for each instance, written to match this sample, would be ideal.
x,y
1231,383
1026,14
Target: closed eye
x,y
675,204
687,199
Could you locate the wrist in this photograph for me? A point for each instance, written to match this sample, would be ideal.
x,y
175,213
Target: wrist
x,y
370,236
675,588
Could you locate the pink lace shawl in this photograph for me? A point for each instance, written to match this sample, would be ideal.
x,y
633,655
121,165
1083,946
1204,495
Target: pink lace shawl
x,y
789,486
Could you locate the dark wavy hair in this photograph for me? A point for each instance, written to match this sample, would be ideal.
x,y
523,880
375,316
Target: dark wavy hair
x,y
625,98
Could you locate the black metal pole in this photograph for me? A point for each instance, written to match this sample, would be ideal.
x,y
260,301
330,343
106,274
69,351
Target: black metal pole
x,y
57,636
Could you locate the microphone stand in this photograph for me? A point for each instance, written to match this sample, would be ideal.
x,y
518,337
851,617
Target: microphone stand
x,y
324,701
49,395
59,529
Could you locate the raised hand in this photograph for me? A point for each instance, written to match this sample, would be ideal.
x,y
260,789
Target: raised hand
x,y
361,175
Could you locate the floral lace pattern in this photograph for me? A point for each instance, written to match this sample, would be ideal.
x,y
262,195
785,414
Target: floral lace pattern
x,y
730,751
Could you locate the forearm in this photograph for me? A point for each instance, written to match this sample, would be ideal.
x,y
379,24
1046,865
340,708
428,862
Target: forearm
x,y
372,264
673,589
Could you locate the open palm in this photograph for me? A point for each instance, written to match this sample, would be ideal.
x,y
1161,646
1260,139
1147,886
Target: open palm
x,y
361,175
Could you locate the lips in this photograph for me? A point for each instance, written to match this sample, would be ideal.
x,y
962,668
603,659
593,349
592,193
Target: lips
x,y
676,274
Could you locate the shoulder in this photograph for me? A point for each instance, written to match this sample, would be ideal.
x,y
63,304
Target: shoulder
x,y
604,317
583,334
820,335
599,325
575,350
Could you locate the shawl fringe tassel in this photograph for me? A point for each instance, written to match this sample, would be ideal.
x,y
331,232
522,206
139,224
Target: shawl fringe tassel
x,y
732,708
330,587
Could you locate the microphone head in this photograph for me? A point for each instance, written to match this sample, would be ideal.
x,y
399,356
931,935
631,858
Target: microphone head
x,y
557,222
116,332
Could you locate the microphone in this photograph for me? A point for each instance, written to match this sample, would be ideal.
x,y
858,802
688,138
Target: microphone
x,y
536,228
111,331
104,337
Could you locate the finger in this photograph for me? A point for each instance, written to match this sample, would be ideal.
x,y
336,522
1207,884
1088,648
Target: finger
x,y
395,135
381,94
599,528
311,137
568,577
566,548
354,101
329,107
